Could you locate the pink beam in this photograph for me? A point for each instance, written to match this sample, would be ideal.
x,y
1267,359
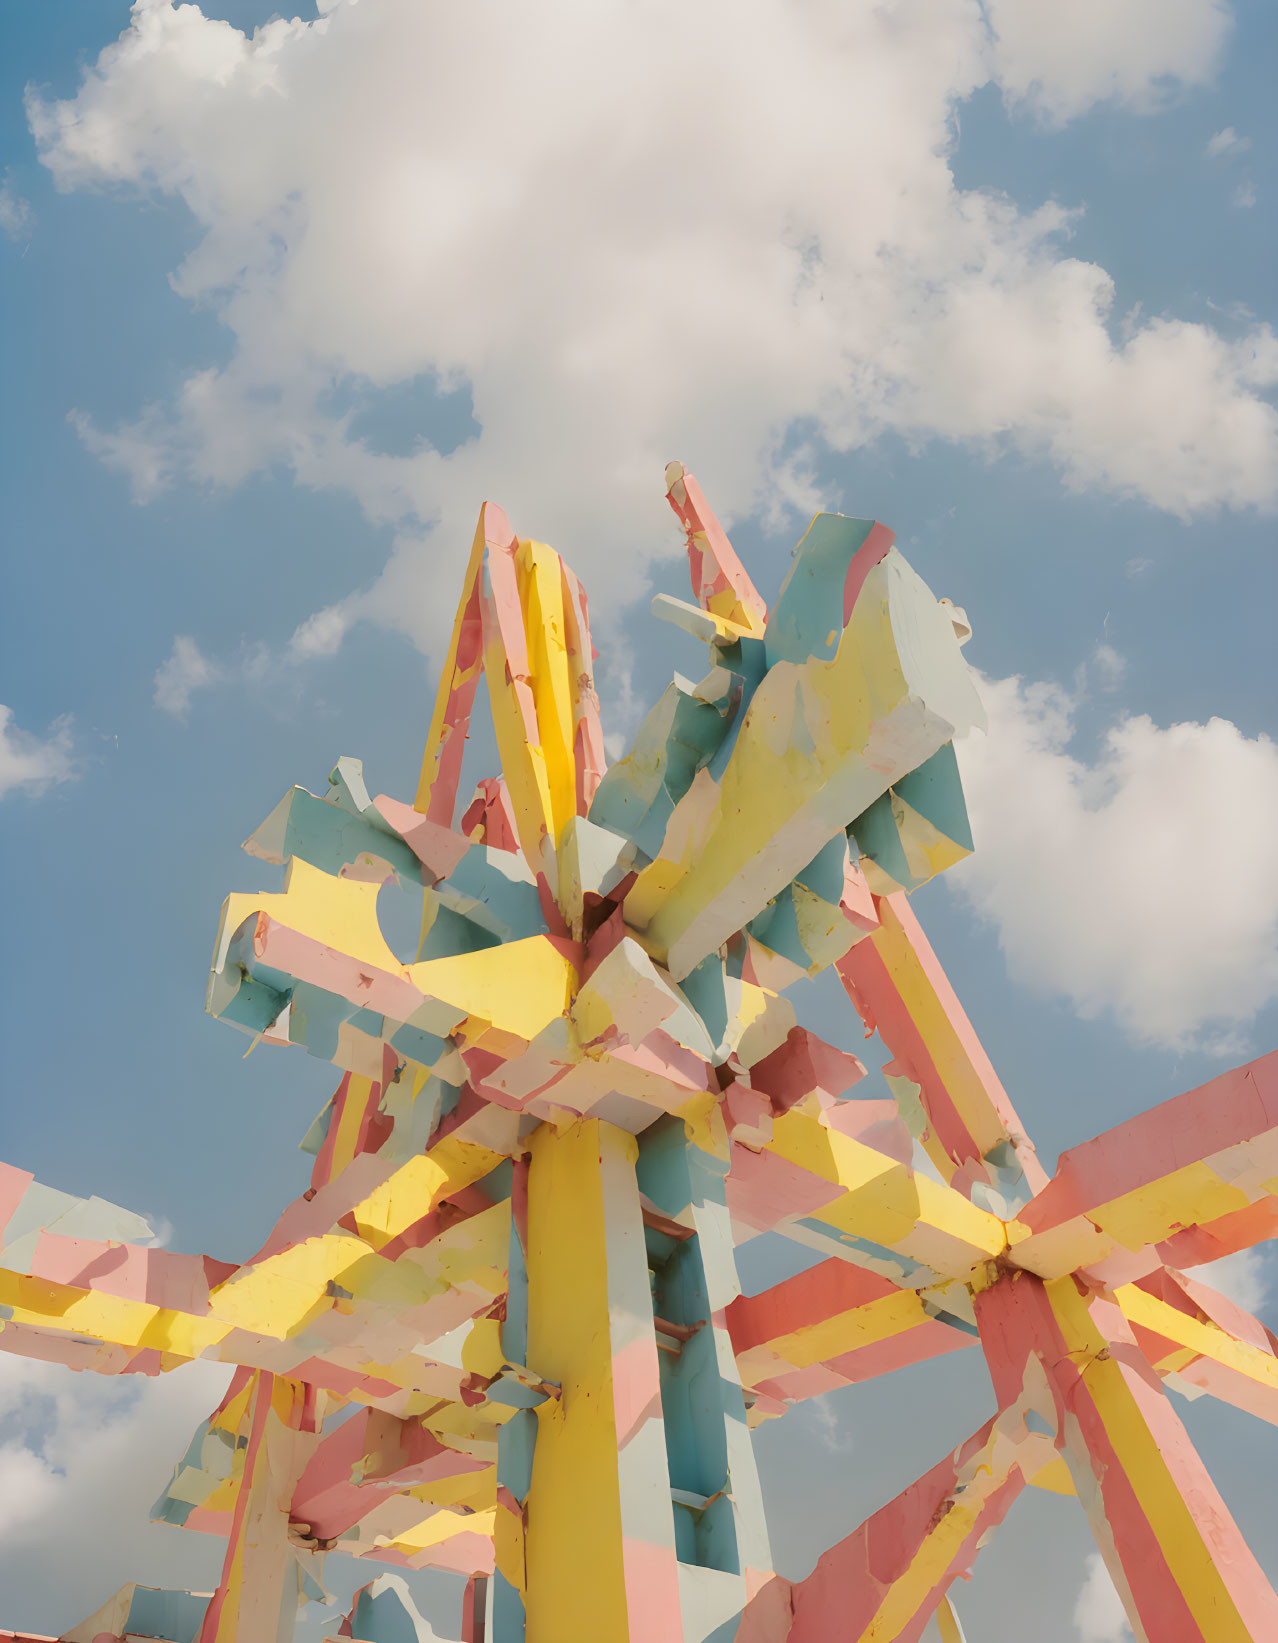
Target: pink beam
x,y
158,1277
884,1582
720,582
1200,1341
259,1592
588,749
358,1465
1183,1182
899,988
828,1327
1176,1556
446,742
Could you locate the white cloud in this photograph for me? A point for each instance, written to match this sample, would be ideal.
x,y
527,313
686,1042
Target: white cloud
x,y
320,634
1105,667
1063,59
186,670
134,449
26,1485
835,1434
1098,1614
1245,195
83,1459
30,765
1244,1277
16,216
1226,143
1142,882
638,233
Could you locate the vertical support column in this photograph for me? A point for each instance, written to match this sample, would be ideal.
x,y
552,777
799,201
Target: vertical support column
x,y
1183,1570
517,1439
516,1444
475,1610
600,1552
262,1579
723,1544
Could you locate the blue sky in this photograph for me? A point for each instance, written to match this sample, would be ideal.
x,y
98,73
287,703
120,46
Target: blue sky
x,y
282,309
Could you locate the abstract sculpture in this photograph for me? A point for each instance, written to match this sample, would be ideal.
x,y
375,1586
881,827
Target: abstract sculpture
x,y
502,1333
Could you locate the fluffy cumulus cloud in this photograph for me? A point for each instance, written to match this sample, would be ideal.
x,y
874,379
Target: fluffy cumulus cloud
x,y
1226,144
1098,1613
31,764
642,232
82,1458
186,670
1142,881
1244,1277
15,212
1062,59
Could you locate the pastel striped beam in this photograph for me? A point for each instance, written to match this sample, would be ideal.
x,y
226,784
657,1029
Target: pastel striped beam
x,y
1183,1570
84,1329
355,1123
829,1189
589,759
79,1352
1184,1175
600,1549
720,583
879,689
370,1455
539,670
370,1482
1195,1245
1230,1355
900,990
883,1583
459,1542
91,1311
393,1203
408,1530
51,1236
282,1295
151,1280
948,1623
446,741
262,1581
1188,1292
162,1308
29,1209
205,1485
837,1324
346,829
186,1304
323,931
829,1327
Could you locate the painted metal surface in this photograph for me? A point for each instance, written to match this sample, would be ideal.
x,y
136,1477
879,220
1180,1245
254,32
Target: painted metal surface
x,y
502,1333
